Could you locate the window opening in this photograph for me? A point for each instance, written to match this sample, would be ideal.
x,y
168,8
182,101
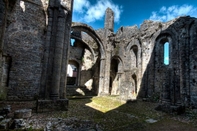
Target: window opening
x,y
72,42
166,53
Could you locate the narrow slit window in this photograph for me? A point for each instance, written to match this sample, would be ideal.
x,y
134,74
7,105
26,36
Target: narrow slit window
x,y
72,42
166,53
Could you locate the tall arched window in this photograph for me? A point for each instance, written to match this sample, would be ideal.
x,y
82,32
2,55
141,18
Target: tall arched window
x,y
166,53
134,56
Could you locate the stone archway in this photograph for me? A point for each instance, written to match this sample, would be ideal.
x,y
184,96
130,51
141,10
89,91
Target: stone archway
x,y
134,47
80,27
168,84
73,73
113,76
116,70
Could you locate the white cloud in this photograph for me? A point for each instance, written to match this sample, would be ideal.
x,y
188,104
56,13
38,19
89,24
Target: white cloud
x,y
166,14
81,5
90,13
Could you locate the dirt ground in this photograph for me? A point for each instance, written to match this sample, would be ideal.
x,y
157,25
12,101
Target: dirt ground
x,y
111,115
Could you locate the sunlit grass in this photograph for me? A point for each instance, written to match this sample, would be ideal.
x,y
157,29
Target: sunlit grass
x,y
113,115
104,104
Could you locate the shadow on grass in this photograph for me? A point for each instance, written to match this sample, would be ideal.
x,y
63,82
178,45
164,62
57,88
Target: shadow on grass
x,y
113,115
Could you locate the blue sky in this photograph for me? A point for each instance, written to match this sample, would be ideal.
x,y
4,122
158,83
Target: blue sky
x,y
131,12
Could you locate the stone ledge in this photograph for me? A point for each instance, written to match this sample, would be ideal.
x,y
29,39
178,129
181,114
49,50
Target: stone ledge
x,y
52,105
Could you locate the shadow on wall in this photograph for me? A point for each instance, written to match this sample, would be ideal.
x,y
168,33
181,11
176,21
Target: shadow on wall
x,y
87,48
172,83
88,86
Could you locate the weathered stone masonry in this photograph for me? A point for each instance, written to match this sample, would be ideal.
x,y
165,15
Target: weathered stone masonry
x,y
23,44
134,61
56,49
35,51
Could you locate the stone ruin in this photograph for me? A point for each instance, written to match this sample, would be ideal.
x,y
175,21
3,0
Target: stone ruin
x,y
46,56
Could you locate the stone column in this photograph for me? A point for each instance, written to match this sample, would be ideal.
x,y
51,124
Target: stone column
x,y
108,40
56,56
56,49
109,19
101,77
2,29
66,48
46,71
107,72
58,53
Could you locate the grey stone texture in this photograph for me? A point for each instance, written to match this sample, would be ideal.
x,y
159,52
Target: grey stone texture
x,y
35,39
131,61
24,37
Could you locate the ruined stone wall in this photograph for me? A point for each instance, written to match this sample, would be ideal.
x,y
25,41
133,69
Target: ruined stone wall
x,y
2,29
139,56
141,51
85,53
24,41
174,82
76,52
2,20
193,64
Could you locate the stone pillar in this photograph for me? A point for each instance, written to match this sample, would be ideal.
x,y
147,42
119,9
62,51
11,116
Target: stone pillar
x,y
46,71
107,72
56,56
2,29
58,51
2,21
101,77
105,64
109,19
57,46
66,48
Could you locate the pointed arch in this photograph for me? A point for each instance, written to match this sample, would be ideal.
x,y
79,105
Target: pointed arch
x,y
135,46
162,40
120,64
116,70
90,31
73,72
85,43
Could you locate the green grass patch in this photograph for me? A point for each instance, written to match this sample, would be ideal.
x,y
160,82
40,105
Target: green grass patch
x,y
114,115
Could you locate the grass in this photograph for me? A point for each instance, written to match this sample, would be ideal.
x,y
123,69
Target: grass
x,y
104,104
113,115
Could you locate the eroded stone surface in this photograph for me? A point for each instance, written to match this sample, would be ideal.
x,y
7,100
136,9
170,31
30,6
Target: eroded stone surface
x,y
129,63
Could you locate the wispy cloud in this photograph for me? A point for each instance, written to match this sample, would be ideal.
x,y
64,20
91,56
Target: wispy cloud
x,y
166,14
90,13
81,5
